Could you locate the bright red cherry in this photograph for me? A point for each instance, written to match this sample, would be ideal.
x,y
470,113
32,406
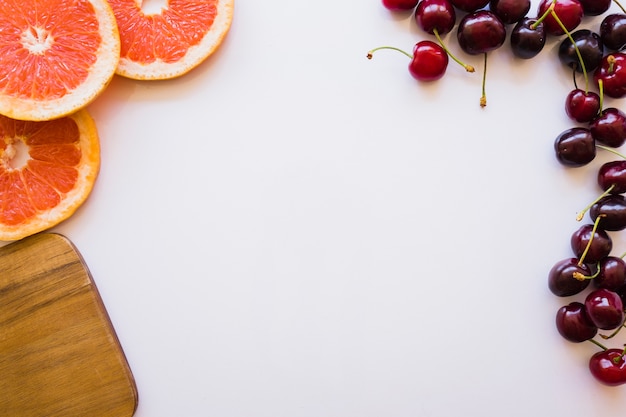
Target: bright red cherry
x,y
609,367
612,72
570,12
400,4
429,62
582,106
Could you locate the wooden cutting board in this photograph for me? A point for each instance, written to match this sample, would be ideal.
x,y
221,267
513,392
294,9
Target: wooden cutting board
x,y
59,355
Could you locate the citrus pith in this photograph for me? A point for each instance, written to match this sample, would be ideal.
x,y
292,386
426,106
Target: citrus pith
x,y
168,44
47,170
56,56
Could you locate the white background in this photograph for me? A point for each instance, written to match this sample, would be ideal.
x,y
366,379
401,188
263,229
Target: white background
x,y
292,230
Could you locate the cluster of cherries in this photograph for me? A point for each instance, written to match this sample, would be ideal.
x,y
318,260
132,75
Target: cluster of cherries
x,y
592,271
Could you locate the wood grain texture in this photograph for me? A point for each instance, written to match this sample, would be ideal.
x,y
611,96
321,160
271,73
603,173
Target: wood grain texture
x,y
59,355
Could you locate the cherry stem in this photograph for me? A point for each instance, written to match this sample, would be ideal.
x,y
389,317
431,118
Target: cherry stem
x,y
580,215
468,68
618,359
543,16
601,94
593,232
580,57
370,54
580,277
619,5
613,151
611,60
483,97
600,345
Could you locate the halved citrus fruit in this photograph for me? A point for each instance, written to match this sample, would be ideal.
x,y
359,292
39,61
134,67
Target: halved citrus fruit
x,y
172,41
56,56
47,170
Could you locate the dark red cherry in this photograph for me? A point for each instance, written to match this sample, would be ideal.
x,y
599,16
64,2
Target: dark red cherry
x,y
573,324
599,248
582,106
480,32
605,309
561,281
609,367
613,31
613,175
595,7
589,46
510,11
527,41
611,274
612,72
610,127
429,62
575,147
469,5
435,15
570,12
612,208
400,4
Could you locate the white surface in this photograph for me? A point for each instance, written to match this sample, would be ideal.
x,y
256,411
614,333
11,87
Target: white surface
x,y
292,230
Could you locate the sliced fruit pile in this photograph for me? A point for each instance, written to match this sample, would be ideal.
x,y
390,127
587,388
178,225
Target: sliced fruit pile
x,y
56,57
600,314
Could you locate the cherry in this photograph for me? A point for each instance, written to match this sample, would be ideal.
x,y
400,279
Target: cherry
x,y
480,32
611,274
612,177
582,106
428,62
609,367
605,309
589,46
612,208
595,7
613,31
569,12
435,16
612,72
575,147
595,244
510,11
610,127
400,4
573,323
527,38
561,281
469,5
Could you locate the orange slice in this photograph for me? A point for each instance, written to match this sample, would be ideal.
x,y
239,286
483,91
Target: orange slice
x,y
47,170
55,56
167,44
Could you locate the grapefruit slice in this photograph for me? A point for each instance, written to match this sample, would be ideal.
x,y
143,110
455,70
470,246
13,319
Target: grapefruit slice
x,y
172,41
56,56
47,170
